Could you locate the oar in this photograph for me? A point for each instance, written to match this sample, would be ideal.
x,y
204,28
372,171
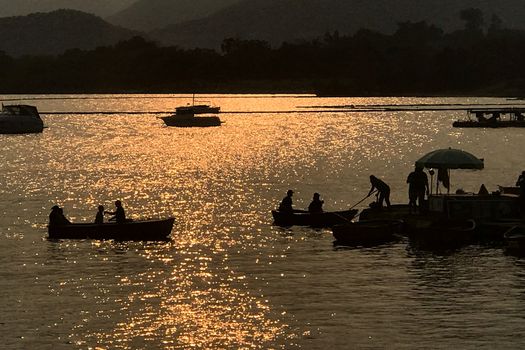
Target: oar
x,y
355,205
362,200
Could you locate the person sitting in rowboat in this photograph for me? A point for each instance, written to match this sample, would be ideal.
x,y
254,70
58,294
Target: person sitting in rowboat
x,y
316,206
99,219
287,204
57,217
119,215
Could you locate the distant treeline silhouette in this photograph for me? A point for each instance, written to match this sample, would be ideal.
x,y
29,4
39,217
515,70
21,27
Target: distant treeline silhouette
x,y
418,59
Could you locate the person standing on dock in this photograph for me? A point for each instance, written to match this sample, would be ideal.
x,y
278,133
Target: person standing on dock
x,y
287,203
521,184
383,191
417,188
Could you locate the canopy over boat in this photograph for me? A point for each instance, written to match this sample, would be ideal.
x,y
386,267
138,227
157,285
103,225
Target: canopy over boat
x,y
450,158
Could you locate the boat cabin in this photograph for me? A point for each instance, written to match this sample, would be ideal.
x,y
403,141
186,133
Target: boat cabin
x,y
488,115
15,110
475,206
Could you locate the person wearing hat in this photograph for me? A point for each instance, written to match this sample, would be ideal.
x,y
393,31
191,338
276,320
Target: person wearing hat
x,y
316,206
287,204
119,215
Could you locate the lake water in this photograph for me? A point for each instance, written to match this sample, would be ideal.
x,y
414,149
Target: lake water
x,y
229,279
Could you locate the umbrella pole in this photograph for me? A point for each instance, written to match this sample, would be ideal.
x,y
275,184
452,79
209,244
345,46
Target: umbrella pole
x,y
449,183
431,181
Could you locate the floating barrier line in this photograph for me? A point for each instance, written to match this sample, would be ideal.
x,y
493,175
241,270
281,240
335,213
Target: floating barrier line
x,y
323,111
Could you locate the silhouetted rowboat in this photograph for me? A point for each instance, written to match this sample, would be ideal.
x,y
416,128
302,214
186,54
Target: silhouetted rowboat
x,y
444,233
324,219
148,230
367,232
509,190
515,240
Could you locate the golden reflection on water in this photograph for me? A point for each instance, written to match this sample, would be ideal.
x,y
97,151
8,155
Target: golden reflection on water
x,y
209,287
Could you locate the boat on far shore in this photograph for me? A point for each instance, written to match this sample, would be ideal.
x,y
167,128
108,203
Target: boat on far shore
x,y
20,119
194,115
493,118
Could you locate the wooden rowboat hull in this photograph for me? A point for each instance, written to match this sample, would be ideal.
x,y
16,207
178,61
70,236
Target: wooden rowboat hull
x,y
150,230
325,219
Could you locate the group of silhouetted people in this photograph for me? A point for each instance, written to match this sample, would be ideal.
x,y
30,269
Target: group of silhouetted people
x,y
316,205
418,188
57,217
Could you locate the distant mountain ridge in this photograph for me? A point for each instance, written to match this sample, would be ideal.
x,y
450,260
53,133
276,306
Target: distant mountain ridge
x,y
147,15
9,8
54,32
287,20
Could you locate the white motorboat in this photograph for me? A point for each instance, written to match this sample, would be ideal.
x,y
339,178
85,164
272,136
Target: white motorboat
x,y
20,119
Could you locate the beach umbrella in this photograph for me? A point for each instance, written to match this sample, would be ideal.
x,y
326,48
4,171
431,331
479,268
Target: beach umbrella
x,y
450,158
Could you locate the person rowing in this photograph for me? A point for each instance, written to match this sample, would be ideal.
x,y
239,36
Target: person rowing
x,y
383,191
119,215
316,206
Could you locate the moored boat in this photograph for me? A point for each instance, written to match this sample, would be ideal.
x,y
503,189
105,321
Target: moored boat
x,y
146,230
186,116
515,239
20,119
198,109
442,233
509,190
492,118
304,218
367,232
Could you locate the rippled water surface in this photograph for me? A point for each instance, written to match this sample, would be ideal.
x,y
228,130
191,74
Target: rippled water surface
x,y
229,279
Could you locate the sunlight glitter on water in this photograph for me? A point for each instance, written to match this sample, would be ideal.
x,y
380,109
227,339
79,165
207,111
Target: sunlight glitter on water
x,y
229,279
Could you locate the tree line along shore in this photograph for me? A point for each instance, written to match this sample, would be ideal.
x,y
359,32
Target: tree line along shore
x,y
418,59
